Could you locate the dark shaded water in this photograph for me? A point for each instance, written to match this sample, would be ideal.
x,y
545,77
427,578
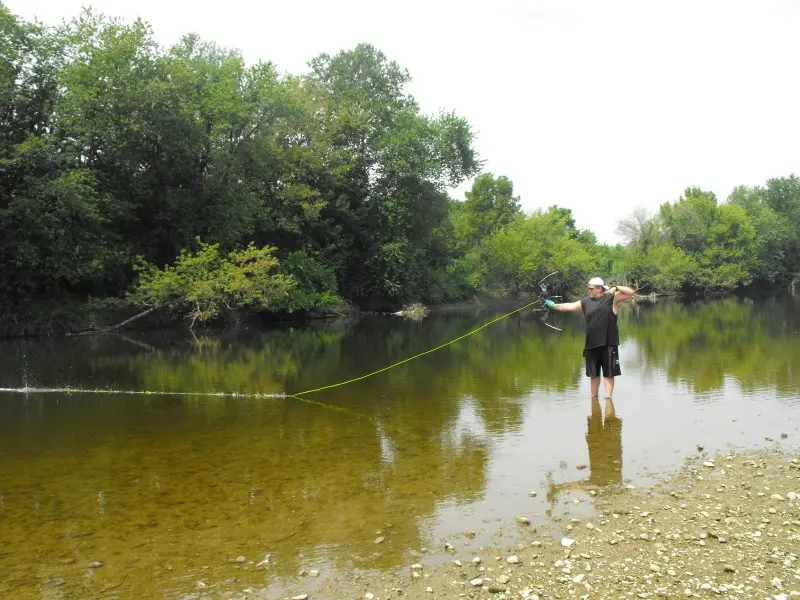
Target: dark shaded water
x,y
168,490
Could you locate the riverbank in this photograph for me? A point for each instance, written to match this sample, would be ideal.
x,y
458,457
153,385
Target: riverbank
x,y
722,526
71,319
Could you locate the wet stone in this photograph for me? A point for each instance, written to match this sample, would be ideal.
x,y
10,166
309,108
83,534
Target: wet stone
x,y
96,564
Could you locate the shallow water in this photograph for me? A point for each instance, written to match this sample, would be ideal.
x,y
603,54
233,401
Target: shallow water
x,y
169,489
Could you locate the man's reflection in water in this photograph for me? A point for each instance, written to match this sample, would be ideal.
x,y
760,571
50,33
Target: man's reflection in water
x,y
604,438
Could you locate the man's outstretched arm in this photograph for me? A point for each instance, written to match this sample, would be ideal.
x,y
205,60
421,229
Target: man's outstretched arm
x,y
565,306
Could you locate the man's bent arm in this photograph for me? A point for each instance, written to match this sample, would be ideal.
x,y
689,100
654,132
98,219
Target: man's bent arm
x,y
623,293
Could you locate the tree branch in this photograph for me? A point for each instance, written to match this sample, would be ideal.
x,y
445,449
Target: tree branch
x,y
117,326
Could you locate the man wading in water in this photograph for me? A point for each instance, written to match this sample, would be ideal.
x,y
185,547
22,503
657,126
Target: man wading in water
x,y
600,308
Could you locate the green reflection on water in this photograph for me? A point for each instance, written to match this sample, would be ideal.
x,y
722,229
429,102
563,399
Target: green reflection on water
x,y
700,344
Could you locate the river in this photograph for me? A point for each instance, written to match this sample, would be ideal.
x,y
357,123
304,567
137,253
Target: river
x,y
181,486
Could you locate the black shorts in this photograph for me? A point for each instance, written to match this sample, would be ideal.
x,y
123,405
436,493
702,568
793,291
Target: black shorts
x,y
605,358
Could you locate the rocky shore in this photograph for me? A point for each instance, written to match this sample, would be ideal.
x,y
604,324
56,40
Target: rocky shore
x,y
726,526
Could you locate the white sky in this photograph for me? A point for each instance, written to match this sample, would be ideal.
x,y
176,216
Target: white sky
x,y
599,106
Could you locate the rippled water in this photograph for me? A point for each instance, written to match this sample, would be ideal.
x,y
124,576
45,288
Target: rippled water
x,y
167,490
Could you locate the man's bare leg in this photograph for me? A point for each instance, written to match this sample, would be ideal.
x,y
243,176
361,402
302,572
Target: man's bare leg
x,y
609,385
595,385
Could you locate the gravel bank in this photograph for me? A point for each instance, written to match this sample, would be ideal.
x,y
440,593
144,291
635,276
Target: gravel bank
x,y
726,526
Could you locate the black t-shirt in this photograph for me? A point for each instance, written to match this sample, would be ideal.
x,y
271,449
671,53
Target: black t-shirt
x,y
601,322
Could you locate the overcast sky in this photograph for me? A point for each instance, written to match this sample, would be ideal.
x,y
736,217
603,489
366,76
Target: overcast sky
x,y
599,106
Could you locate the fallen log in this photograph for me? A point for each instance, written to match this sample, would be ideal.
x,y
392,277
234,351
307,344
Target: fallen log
x,y
117,326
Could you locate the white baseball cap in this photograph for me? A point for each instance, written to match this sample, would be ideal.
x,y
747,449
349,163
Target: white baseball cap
x,y
597,282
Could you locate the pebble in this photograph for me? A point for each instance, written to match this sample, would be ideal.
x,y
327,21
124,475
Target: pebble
x,y
532,494
300,597
655,568
477,582
416,567
96,564
457,563
380,540
513,559
578,578
729,569
313,573
523,520
267,560
368,596
476,560
429,589
503,579
777,583
496,588
240,559
567,542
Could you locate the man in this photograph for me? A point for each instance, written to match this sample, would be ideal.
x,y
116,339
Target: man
x,y
600,308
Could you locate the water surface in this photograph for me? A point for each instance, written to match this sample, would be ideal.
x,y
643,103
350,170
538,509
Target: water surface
x,y
168,490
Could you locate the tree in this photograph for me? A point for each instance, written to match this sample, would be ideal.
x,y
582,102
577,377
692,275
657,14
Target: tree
x,y
518,255
783,196
202,284
774,235
387,198
489,205
639,230
727,258
688,220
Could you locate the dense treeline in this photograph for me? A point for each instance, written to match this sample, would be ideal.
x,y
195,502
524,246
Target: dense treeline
x,y
183,177
698,243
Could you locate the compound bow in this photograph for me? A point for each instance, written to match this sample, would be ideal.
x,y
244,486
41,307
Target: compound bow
x,y
546,296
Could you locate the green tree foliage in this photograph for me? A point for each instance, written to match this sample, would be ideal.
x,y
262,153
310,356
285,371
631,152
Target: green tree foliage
x,y
696,243
490,205
203,284
389,191
515,257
